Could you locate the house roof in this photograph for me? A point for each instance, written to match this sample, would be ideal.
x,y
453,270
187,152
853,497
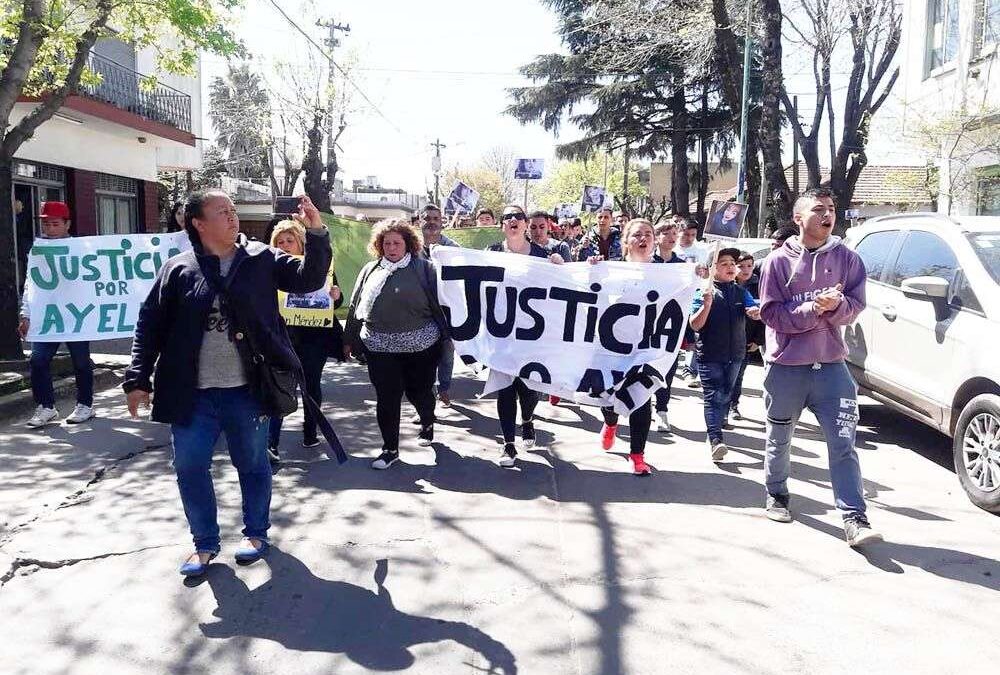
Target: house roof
x,y
880,184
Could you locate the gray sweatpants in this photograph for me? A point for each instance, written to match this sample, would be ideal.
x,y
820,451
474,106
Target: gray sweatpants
x,y
829,392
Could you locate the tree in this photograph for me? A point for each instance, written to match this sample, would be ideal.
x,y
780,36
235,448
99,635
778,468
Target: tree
x,y
240,110
44,48
563,183
874,30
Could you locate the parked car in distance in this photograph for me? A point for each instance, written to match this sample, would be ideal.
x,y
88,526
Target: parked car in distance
x,y
927,343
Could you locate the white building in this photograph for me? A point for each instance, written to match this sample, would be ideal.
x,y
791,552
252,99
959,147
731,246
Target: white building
x,y
949,79
102,151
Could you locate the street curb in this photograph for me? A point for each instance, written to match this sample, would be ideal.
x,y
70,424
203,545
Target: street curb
x,y
22,402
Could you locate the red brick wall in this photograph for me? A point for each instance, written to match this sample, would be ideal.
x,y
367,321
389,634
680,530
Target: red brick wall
x,y
82,203
149,211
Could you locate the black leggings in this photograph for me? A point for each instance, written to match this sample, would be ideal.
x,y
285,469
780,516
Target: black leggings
x,y
638,424
507,399
396,374
663,394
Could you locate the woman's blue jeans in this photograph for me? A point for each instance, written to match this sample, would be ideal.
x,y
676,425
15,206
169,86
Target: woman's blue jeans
x,y
237,414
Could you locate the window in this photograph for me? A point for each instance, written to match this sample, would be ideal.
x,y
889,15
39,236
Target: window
x,y
874,251
988,191
924,255
987,25
117,204
962,295
942,32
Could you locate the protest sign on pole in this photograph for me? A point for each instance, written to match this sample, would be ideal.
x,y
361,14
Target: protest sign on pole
x,y
463,199
725,220
601,334
91,288
594,197
529,169
314,309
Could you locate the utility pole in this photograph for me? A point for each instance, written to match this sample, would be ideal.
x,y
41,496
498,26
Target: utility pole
x,y
745,109
795,149
436,166
331,43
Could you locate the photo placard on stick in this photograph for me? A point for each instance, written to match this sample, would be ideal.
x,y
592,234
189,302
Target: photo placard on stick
x,y
463,199
725,220
566,211
529,169
594,198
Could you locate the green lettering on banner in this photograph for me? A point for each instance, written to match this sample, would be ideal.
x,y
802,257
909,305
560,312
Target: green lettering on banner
x,y
92,273
139,260
79,315
122,326
49,253
104,325
53,318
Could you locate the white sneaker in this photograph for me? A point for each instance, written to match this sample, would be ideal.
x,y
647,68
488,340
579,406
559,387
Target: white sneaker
x,y
664,424
508,456
81,413
42,417
719,451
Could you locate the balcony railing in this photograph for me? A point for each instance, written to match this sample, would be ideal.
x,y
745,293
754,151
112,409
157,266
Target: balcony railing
x,y
120,86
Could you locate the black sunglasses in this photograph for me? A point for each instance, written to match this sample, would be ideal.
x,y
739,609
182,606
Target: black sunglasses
x,y
515,215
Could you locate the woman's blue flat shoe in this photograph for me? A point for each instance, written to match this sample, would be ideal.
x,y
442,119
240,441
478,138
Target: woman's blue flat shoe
x,y
248,553
197,568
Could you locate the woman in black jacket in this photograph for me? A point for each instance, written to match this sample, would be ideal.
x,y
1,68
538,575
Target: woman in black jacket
x,y
209,327
312,344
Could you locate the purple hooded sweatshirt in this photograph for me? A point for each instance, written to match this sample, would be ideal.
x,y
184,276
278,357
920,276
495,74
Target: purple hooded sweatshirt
x,y
790,279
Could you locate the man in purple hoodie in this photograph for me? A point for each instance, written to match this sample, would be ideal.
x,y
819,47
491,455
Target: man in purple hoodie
x,y
809,289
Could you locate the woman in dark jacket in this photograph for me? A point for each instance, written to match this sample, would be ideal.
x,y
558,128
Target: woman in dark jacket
x,y
312,344
396,321
207,327
514,224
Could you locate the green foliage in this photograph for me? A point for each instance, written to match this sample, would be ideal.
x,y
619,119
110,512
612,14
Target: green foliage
x,y
565,180
176,30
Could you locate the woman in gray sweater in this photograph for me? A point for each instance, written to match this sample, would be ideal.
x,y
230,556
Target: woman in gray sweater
x,y
396,321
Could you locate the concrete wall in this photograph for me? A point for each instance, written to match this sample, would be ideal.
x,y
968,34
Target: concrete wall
x,y
968,82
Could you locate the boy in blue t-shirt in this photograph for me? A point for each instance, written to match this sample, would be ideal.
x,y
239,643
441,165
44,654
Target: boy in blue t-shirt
x,y
718,317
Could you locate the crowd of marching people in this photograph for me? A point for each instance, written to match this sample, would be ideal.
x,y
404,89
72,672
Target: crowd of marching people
x,y
213,356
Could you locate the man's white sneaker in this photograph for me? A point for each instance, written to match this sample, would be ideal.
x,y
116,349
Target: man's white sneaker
x,y
81,413
42,417
719,451
664,423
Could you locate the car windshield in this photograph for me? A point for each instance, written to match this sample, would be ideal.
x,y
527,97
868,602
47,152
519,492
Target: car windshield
x,y
987,247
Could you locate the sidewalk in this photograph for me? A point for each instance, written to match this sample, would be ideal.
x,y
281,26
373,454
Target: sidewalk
x,y
15,382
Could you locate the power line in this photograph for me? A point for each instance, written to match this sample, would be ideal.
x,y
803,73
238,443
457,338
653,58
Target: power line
x,y
346,77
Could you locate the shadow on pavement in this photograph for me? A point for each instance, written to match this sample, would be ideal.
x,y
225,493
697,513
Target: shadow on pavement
x,y
305,613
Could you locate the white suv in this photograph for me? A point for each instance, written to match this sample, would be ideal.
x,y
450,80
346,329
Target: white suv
x,y
928,343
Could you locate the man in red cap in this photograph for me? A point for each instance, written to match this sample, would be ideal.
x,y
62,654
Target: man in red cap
x,y
55,225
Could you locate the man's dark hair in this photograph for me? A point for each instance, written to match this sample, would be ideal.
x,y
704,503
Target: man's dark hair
x,y
784,232
577,222
539,214
606,209
744,256
429,207
194,207
488,212
811,195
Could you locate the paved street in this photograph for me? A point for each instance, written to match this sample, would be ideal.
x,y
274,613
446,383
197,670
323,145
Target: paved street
x,y
449,564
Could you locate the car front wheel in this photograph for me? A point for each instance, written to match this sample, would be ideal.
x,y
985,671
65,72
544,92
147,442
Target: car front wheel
x,y
977,451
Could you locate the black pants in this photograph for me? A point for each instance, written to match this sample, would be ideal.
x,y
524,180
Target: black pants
x,y
312,354
396,374
638,425
507,399
663,395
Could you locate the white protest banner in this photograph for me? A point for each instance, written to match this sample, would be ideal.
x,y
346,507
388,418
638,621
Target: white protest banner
x,y
599,334
91,288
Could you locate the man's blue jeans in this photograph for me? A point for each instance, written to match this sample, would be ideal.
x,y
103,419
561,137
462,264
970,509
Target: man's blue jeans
x,y
236,413
41,372
829,392
446,366
717,383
